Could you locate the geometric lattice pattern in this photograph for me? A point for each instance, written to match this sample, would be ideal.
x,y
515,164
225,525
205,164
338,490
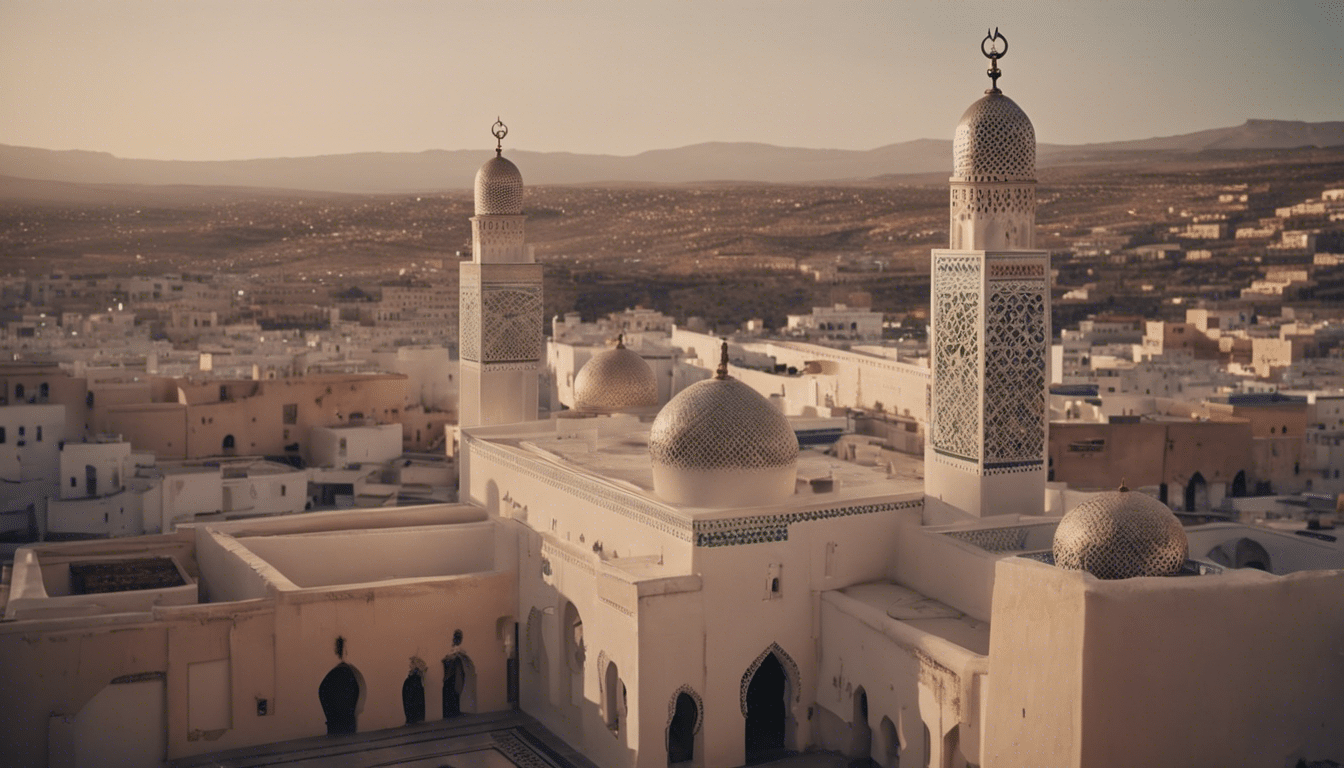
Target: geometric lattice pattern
x,y
1015,357
511,324
1119,535
499,189
721,424
1017,198
995,141
615,380
469,331
956,355
1009,539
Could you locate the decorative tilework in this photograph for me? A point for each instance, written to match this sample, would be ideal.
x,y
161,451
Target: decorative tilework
x,y
785,661
699,705
723,532
765,528
517,752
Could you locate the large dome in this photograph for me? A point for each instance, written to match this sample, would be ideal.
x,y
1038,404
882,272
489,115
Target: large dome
x,y
719,443
1119,535
499,188
995,141
615,380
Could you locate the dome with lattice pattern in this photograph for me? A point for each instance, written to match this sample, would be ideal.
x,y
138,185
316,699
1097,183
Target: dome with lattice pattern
x,y
719,443
1119,535
995,141
499,188
615,380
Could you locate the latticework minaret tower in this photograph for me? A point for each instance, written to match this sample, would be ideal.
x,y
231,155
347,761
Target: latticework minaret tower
x,y
501,309
990,319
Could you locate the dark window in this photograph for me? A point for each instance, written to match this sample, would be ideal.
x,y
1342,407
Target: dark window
x,y
2,435
290,414
39,433
18,391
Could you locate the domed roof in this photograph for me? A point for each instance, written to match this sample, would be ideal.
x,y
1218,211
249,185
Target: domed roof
x,y
1119,535
995,141
722,424
615,380
499,188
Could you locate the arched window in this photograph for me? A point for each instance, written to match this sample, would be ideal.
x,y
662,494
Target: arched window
x,y
18,391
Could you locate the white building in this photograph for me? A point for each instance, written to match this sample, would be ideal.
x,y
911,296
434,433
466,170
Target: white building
x,y
694,589
838,322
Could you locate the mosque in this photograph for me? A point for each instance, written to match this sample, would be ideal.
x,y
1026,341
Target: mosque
x,y
684,586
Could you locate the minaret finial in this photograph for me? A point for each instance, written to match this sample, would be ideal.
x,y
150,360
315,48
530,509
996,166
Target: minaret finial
x,y
994,54
499,130
721,372
620,341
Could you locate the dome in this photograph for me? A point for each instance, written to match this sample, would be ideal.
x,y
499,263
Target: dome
x,y
499,188
1119,535
995,141
712,436
615,380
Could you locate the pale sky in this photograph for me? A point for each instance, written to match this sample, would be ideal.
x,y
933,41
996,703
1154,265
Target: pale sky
x,y
230,79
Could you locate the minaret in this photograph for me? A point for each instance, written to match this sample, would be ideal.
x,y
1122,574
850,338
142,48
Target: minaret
x,y
501,310
990,319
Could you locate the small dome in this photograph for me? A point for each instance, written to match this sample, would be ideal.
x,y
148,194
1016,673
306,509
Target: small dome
x,y
995,141
711,435
615,380
499,188
1119,535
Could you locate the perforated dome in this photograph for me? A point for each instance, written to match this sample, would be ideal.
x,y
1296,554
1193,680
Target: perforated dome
x,y
615,380
995,141
1119,535
718,443
722,424
499,188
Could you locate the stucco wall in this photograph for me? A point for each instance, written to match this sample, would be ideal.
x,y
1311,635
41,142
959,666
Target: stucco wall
x,y
1239,669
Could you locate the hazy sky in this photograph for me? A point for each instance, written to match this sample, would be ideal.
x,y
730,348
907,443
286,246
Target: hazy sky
x,y
225,79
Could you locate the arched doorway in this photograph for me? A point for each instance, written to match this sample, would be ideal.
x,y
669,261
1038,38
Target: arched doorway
x,y
681,730
1196,493
229,445
613,697
1239,484
413,697
891,743
459,685
861,742
339,694
767,708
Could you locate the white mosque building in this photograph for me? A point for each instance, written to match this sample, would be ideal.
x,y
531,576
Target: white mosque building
x,y
685,586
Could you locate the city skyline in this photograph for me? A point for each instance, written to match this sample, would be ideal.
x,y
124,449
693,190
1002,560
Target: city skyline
x,y
207,81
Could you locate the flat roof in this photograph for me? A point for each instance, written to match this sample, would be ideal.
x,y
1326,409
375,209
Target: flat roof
x,y
621,455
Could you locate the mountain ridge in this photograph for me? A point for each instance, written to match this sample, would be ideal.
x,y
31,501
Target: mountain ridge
x,y
435,170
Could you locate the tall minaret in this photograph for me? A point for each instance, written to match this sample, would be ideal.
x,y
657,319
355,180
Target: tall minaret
x,y
990,319
501,312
